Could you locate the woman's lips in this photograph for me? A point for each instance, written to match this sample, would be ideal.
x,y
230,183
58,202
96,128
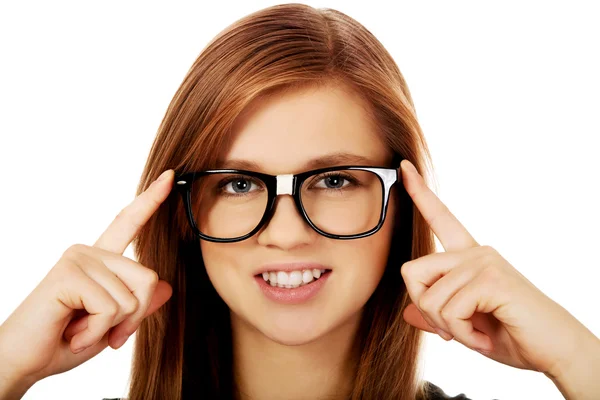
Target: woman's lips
x,y
293,295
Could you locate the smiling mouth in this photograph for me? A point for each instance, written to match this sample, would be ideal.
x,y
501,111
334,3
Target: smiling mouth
x,y
293,279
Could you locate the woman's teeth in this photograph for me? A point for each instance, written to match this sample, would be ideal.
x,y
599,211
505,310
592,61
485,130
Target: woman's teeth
x,y
292,279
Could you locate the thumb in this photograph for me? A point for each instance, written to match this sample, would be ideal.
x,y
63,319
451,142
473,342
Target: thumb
x,y
413,316
162,293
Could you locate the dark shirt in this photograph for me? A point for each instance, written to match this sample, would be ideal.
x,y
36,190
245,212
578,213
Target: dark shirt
x,y
435,393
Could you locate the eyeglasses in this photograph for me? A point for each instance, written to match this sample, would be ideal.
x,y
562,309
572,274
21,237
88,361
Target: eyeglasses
x,y
342,202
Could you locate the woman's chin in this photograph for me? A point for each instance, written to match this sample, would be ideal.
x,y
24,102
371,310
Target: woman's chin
x,y
293,333
291,337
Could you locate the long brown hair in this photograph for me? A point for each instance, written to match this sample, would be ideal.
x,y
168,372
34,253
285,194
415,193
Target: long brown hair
x,y
184,349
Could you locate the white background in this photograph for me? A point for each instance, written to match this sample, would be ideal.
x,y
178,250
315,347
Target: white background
x,y
507,95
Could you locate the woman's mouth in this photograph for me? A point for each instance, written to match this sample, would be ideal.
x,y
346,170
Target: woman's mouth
x,y
292,287
293,279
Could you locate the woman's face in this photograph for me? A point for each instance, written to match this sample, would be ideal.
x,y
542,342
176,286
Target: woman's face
x,y
282,134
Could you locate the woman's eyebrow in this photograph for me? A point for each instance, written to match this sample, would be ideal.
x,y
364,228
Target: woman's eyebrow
x,y
319,162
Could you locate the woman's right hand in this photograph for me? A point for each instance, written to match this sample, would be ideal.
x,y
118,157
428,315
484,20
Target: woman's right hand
x,y
93,297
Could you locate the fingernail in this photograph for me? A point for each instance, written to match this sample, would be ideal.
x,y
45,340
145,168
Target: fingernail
x,y
120,341
410,167
443,334
79,350
163,176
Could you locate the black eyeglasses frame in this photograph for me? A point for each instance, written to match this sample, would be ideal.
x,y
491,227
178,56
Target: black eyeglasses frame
x,y
291,184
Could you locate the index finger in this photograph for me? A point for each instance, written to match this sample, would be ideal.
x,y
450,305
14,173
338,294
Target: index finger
x,y
451,233
129,221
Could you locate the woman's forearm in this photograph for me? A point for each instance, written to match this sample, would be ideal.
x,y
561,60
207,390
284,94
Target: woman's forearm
x,y
579,378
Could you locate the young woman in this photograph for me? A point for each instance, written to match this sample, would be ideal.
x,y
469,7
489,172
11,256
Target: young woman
x,y
287,250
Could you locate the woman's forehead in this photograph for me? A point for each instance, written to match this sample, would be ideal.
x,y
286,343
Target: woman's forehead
x,y
290,130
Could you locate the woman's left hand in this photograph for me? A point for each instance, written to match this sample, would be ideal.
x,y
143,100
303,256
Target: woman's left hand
x,y
476,296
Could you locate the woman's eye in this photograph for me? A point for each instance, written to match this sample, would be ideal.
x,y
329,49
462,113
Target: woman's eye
x,y
332,182
239,185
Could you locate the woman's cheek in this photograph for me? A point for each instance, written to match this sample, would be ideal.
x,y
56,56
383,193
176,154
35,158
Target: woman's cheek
x,y
218,269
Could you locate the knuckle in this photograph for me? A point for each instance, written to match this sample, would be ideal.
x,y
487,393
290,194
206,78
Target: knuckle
x,y
487,256
75,251
111,309
491,273
151,278
64,267
130,306
447,314
66,296
487,249
68,265
406,268
427,303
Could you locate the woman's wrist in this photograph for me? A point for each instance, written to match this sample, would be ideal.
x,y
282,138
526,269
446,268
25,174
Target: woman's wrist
x,y
577,378
12,388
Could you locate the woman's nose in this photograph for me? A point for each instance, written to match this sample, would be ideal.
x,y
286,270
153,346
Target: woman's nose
x,y
286,228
